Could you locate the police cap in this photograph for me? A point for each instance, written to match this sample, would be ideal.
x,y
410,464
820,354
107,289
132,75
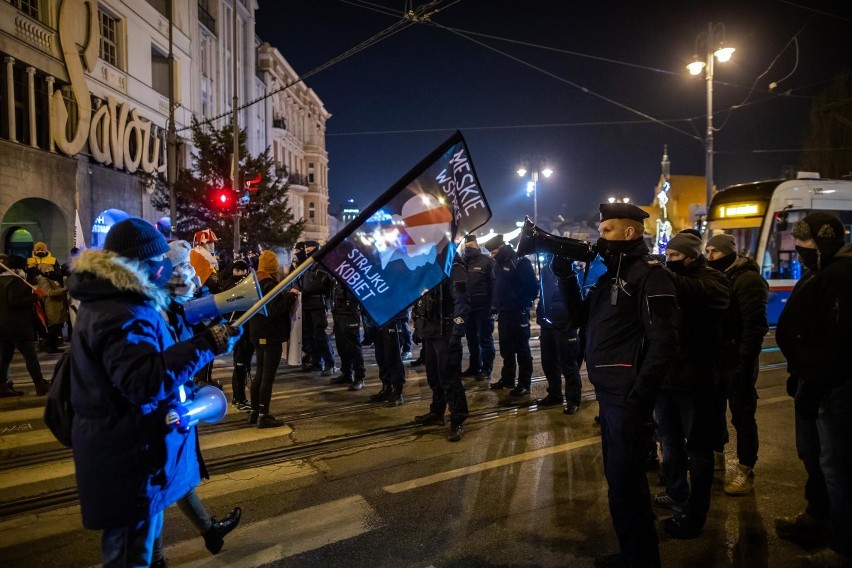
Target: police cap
x,y
494,243
622,211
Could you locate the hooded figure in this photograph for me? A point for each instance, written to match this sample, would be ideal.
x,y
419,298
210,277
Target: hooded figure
x,y
127,370
814,333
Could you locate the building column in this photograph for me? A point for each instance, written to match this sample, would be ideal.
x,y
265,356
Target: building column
x,y
10,97
49,80
32,106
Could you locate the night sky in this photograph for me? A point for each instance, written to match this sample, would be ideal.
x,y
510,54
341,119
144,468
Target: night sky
x,y
397,100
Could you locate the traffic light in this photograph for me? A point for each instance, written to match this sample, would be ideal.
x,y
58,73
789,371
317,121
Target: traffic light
x,y
223,199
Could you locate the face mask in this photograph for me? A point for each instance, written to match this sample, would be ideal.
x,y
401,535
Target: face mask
x,y
675,266
40,253
611,249
809,257
722,263
159,271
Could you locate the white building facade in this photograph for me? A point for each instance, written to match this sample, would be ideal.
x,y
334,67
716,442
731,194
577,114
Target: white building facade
x,y
297,141
84,105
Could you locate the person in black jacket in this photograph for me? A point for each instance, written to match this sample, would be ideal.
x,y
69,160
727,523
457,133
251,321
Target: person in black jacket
x,y
814,333
269,333
346,314
558,316
315,285
244,348
480,322
515,288
17,298
684,410
743,327
442,312
631,342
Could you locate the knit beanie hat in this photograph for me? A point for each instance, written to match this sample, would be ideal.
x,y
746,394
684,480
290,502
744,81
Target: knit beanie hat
x,y
724,243
688,244
824,228
240,265
135,238
267,265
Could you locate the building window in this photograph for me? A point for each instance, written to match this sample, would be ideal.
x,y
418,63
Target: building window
x,y
28,7
312,212
207,66
310,172
206,15
159,72
110,35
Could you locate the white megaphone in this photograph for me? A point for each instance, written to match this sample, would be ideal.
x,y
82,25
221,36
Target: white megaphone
x,y
237,299
208,405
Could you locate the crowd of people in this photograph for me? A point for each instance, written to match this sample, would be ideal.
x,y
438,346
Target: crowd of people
x,y
669,344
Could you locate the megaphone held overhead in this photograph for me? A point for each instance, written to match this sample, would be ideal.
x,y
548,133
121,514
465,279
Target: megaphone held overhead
x,y
539,241
208,405
237,299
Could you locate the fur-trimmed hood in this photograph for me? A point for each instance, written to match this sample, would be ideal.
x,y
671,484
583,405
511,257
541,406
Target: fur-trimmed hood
x,y
99,274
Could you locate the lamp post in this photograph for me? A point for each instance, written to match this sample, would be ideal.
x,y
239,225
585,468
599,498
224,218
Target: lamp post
x,y
714,45
532,186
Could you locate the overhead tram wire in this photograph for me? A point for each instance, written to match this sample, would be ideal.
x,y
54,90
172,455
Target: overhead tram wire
x,y
567,81
382,35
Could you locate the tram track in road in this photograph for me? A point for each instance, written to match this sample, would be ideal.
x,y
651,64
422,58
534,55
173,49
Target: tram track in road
x,y
67,497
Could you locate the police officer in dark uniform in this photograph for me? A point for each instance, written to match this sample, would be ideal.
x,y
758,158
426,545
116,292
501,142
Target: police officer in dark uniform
x,y
442,313
515,288
480,323
244,348
315,285
631,341
388,348
346,314
558,315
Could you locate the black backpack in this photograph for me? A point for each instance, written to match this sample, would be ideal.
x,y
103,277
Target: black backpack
x,y
58,413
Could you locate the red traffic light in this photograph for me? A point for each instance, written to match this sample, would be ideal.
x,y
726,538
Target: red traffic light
x,y
223,199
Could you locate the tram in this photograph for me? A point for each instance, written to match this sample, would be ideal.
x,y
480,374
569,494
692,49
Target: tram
x,y
760,215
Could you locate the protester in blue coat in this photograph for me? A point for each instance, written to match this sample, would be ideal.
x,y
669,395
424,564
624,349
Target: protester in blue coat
x,y
127,369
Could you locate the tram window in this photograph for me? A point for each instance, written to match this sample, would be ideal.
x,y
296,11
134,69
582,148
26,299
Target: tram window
x,y
746,238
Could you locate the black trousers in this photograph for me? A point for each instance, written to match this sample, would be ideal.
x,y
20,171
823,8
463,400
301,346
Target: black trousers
x,y
513,329
479,332
389,354
28,351
268,359
443,373
243,352
738,391
347,337
629,496
315,339
560,353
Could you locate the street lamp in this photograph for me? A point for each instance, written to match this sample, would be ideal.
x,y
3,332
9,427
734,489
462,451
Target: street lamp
x,y
532,186
714,45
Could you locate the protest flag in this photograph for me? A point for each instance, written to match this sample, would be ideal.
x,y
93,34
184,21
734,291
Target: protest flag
x,y
403,244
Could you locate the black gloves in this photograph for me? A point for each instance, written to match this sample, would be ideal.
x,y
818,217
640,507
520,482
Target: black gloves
x,y
223,337
792,385
807,400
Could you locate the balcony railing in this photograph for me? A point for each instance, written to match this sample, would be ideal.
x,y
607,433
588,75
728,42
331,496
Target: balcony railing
x,y
298,179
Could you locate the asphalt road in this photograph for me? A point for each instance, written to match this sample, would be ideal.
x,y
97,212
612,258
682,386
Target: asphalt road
x,y
353,484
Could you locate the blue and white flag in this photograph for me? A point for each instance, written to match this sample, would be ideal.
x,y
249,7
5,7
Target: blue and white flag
x,y
404,243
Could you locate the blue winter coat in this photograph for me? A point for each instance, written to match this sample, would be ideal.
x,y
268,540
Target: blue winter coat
x,y
127,369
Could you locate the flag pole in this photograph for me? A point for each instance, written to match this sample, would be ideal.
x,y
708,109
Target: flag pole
x,y
287,281
10,271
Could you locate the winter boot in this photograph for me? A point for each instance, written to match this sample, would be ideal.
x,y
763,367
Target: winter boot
x,y
394,396
382,394
214,537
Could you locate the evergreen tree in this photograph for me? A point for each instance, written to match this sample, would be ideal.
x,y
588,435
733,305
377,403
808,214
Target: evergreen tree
x,y
265,220
829,136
